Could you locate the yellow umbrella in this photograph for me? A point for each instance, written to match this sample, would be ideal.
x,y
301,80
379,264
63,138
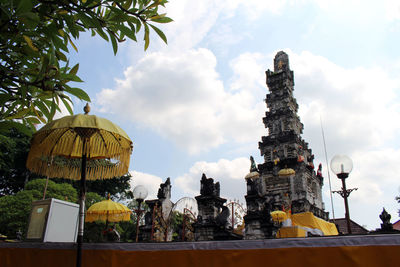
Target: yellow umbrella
x,y
286,172
109,211
80,147
278,216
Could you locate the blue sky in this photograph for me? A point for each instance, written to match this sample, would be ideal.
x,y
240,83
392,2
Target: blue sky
x,y
196,104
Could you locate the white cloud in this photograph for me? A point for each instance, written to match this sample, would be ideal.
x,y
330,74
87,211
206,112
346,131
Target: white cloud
x,y
255,8
150,182
358,107
229,173
193,20
392,8
181,97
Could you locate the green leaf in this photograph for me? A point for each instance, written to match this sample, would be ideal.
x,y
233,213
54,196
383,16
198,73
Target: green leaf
x,y
128,32
53,108
74,70
4,98
79,93
39,116
113,42
102,34
67,105
20,114
160,33
61,56
71,26
34,120
127,4
6,125
158,16
162,20
31,20
24,6
43,108
146,37
72,43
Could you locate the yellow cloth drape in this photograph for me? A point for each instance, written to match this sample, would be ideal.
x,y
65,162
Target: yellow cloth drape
x,y
307,219
306,222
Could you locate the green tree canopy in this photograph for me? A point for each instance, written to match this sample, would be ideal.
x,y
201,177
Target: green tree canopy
x,y
15,209
14,148
35,37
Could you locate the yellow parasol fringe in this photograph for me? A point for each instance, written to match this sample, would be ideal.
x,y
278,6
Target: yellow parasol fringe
x,y
101,145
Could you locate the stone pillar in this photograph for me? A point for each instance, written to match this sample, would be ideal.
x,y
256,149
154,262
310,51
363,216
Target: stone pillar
x,y
213,216
163,205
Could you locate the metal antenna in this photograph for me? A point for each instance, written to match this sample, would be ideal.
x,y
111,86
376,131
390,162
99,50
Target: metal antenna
x,y
327,168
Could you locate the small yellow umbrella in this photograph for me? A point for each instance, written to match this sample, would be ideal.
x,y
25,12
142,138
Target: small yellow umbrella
x,y
278,216
286,172
109,211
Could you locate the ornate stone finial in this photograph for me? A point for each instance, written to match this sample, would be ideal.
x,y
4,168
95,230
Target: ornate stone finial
x,y
86,109
281,62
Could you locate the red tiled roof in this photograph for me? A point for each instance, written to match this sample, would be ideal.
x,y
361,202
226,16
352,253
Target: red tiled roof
x,y
396,225
356,229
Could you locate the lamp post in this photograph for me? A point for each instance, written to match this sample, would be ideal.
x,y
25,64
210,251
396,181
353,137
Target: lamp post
x,y
139,193
342,165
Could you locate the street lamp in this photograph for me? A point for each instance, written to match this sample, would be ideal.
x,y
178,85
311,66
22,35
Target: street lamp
x,y
342,165
139,193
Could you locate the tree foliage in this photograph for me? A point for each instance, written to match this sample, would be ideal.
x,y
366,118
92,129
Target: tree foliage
x,y
118,187
35,37
15,209
61,191
14,148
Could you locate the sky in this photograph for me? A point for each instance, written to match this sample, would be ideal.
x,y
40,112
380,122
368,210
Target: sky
x,y
196,105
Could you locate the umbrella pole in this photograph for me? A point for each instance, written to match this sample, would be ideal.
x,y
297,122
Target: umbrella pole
x,y
82,196
45,187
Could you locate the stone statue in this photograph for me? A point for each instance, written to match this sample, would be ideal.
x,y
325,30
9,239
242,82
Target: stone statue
x,y
253,167
164,192
222,218
208,188
385,217
319,171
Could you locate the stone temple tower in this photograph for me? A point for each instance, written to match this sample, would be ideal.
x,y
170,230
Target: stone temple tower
x,y
287,178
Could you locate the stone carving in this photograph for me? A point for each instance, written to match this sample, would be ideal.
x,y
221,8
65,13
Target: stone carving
x,y
165,190
251,187
208,188
319,171
158,216
385,217
212,220
222,218
253,167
